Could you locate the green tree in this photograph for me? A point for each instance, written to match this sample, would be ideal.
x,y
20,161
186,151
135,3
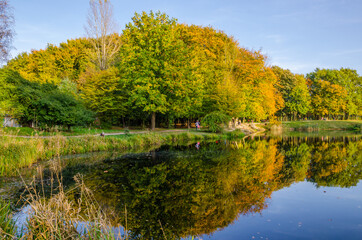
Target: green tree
x,y
154,65
46,104
343,80
295,92
327,98
299,99
104,93
215,121
56,108
16,93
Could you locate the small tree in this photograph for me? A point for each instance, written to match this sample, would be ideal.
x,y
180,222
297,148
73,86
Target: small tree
x,y
215,121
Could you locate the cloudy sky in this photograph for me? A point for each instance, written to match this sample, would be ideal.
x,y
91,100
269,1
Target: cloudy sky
x,y
300,35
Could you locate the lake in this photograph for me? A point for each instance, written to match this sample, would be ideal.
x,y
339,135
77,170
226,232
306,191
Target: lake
x,y
270,187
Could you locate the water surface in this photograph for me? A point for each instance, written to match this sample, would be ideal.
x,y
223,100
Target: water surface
x,y
289,187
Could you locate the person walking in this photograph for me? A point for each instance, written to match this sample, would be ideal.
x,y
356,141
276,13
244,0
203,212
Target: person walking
x,y
197,124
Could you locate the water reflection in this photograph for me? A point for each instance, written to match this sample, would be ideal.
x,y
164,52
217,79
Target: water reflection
x,y
180,191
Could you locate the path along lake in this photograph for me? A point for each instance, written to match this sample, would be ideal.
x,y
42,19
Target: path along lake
x,y
305,186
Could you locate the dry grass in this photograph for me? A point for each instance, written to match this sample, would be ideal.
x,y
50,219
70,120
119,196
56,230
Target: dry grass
x,y
59,217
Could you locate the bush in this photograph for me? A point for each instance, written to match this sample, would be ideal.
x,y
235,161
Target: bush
x,y
237,133
215,121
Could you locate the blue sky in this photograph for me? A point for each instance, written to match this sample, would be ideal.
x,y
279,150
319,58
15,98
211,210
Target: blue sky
x,y
300,35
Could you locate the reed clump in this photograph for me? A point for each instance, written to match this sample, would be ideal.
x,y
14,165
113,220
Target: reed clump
x,y
58,217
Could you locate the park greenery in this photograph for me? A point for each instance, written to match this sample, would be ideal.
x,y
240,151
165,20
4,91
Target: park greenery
x,y
158,72
163,72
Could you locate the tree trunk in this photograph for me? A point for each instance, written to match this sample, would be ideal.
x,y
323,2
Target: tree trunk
x,y
124,123
153,121
188,123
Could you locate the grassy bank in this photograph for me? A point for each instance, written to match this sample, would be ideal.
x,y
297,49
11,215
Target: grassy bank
x,y
323,125
75,131
21,152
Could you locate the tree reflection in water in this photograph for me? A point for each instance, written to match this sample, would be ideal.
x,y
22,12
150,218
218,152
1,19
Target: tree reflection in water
x,y
175,192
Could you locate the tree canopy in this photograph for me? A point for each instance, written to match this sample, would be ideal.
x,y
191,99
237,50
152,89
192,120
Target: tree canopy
x,y
177,71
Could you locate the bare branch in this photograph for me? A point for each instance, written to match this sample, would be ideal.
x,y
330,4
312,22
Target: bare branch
x,y
6,30
101,31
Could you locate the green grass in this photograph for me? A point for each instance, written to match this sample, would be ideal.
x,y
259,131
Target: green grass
x,y
324,125
20,152
7,225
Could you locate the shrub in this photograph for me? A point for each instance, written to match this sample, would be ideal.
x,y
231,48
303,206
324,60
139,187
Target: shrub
x,y
235,134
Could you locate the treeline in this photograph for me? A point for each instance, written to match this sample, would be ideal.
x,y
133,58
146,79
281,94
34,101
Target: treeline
x,y
167,71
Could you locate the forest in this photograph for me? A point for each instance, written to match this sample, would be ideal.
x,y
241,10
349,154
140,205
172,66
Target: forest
x,y
158,72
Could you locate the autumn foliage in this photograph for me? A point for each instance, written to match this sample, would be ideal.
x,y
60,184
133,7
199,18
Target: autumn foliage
x,y
165,70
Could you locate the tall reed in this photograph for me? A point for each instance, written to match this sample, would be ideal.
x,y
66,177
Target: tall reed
x,y
7,225
59,217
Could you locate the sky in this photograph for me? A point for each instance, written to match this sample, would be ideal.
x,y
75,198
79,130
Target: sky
x,y
299,35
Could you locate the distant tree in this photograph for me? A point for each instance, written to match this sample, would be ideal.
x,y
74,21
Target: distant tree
x,y
101,31
6,29
327,98
293,89
299,101
349,81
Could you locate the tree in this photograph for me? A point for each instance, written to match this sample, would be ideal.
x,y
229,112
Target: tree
x,y
56,108
295,92
349,81
104,93
6,29
54,63
154,64
299,99
327,98
215,121
234,80
101,31
46,104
